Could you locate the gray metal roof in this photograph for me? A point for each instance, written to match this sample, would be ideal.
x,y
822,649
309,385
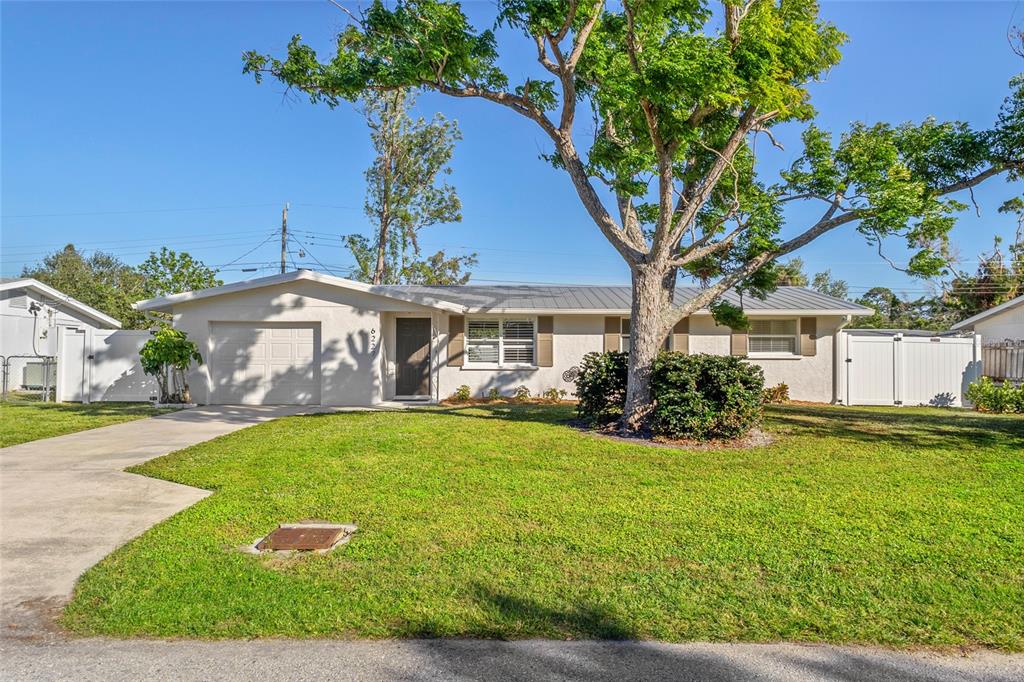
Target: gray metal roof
x,y
608,298
527,298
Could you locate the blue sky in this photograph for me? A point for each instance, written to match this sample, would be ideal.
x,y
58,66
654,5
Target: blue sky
x,y
126,126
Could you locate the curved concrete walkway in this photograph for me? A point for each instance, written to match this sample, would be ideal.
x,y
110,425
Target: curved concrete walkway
x,y
66,502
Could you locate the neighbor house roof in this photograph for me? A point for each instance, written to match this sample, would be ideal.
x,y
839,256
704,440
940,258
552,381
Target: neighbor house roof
x,y
971,321
531,298
49,293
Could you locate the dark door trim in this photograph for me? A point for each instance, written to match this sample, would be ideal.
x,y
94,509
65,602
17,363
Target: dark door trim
x,y
412,357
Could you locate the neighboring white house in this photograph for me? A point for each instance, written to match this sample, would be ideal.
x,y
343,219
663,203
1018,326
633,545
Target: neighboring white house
x,y
32,315
308,338
96,359
1004,322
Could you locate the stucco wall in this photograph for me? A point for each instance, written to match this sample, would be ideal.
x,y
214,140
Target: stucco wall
x,y
574,336
16,324
1009,324
809,378
357,345
350,333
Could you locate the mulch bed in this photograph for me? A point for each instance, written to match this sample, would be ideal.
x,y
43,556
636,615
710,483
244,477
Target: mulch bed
x,y
755,439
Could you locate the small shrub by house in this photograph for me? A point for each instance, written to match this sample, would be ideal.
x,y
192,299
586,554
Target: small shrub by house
x,y
988,396
601,386
696,396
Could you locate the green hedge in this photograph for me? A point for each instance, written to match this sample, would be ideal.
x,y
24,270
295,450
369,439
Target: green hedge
x,y
696,396
989,396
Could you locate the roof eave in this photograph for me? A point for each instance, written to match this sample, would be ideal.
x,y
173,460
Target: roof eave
x,y
167,303
985,314
73,303
816,312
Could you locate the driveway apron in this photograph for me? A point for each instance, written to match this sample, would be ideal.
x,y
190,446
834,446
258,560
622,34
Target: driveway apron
x,y
66,502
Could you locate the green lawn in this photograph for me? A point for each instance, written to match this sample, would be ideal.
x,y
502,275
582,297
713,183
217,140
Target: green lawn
x,y
22,421
887,526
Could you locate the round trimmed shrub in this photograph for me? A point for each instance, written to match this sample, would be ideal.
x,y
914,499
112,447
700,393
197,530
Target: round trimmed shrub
x,y
705,396
601,386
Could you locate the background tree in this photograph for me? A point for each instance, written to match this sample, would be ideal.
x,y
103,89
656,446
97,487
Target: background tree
x,y
791,273
169,272
679,91
405,191
999,276
100,280
824,283
110,285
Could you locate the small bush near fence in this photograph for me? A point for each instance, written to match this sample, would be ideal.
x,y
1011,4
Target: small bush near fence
x,y
989,396
696,396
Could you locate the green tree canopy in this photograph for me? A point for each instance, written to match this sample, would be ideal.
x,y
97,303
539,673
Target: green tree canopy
x,y
100,280
678,91
168,272
110,285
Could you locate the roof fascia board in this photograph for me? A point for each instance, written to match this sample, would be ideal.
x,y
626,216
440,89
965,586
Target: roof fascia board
x,y
1002,307
626,311
165,303
59,296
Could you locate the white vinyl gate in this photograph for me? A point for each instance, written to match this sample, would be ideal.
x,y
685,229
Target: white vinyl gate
x,y
892,368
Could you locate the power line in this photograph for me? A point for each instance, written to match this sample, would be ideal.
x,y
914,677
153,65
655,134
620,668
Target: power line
x,y
310,254
269,237
130,212
135,244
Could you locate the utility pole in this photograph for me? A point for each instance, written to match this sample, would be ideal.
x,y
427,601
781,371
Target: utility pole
x,y
284,235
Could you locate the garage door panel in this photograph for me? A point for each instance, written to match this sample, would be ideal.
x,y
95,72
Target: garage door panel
x,y
282,351
265,364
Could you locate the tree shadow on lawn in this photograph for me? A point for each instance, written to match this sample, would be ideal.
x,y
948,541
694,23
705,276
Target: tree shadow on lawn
x,y
908,427
935,428
610,650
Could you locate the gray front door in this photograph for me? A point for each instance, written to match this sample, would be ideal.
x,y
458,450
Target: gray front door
x,y
412,353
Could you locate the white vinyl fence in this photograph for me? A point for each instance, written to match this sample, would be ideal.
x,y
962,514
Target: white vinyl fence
x,y
1004,360
96,365
886,367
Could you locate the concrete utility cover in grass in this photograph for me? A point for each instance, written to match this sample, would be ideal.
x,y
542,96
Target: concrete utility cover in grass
x,y
306,537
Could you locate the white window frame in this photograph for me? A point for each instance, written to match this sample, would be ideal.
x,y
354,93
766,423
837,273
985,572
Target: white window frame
x,y
626,323
500,364
775,354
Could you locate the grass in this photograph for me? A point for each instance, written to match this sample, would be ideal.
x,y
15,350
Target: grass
x,y
22,421
898,527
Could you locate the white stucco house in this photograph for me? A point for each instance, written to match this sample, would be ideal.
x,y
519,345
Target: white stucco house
x,y
32,315
1004,322
304,337
95,358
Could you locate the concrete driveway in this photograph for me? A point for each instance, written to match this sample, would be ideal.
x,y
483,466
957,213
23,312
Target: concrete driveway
x,y
65,502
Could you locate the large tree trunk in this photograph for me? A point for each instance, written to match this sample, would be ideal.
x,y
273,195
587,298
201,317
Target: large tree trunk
x,y
653,290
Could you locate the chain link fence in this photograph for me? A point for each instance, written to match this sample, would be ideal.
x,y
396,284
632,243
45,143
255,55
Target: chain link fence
x,y
29,377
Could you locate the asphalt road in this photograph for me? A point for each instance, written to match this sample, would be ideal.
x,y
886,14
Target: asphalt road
x,y
99,659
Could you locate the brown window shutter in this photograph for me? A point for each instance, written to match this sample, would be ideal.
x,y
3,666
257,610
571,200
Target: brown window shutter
x,y
612,333
681,336
738,343
456,340
545,341
808,335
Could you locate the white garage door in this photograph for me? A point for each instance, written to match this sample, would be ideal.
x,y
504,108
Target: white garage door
x,y
265,364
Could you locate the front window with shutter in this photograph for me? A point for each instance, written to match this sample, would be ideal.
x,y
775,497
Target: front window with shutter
x,y
501,341
773,337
